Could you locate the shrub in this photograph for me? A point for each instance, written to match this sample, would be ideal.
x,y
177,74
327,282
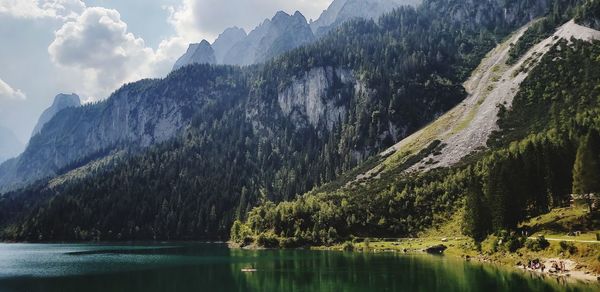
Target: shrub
x,y
509,241
267,240
537,244
240,233
568,247
288,242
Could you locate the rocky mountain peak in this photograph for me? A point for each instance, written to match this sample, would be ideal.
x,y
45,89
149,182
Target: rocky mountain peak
x,y
201,53
226,41
61,102
66,100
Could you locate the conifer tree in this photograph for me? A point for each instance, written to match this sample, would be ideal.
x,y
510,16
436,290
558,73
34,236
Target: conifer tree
x,y
586,171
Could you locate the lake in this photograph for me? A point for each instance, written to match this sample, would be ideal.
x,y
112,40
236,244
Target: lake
x,y
214,267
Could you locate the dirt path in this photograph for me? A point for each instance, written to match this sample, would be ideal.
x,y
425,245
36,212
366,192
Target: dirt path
x,y
567,240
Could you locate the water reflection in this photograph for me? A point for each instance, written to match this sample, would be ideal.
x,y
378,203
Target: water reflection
x,y
211,267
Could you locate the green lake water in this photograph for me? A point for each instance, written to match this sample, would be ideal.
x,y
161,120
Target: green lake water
x,y
214,267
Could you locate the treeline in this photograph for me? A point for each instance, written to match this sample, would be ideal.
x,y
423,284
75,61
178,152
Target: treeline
x,y
546,149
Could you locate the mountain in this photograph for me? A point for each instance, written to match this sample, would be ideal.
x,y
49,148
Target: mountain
x,y
273,37
226,41
208,143
341,11
10,146
201,53
61,101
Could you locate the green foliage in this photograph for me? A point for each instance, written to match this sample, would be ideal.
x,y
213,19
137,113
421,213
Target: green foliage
x,y
586,171
240,233
537,244
268,240
568,247
509,241
348,246
477,219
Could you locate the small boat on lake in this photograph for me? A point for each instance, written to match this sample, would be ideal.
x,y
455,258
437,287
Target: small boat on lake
x,y
250,269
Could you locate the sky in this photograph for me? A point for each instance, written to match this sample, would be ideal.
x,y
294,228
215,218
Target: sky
x,y
92,47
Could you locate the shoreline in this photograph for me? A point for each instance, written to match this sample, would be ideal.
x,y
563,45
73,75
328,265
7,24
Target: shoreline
x,y
574,271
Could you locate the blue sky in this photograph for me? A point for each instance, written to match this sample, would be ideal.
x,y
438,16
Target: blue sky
x,y
92,47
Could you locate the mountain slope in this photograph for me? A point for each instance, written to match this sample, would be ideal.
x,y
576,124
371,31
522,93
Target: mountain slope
x,y
467,128
61,101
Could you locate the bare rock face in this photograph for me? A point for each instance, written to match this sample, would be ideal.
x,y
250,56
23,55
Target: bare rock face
x,y
307,99
201,53
61,102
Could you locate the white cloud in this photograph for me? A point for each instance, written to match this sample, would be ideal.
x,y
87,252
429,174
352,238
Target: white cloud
x,y
59,9
96,54
7,92
97,48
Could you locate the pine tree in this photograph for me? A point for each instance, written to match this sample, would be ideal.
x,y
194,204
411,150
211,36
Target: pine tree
x,y
477,216
586,171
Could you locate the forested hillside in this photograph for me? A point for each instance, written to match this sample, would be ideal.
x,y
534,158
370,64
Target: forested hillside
x,y
546,149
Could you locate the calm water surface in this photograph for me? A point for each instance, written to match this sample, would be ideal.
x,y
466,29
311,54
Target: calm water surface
x,y
214,267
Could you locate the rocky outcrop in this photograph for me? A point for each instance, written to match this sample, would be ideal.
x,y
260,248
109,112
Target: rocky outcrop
x,y
229,38
201,53
61,102
308,100
272,38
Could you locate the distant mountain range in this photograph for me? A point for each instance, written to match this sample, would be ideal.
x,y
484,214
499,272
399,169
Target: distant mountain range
x,y
282,33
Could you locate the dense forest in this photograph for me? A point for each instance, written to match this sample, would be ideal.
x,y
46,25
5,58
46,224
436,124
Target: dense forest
x,y
243,151
546,149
